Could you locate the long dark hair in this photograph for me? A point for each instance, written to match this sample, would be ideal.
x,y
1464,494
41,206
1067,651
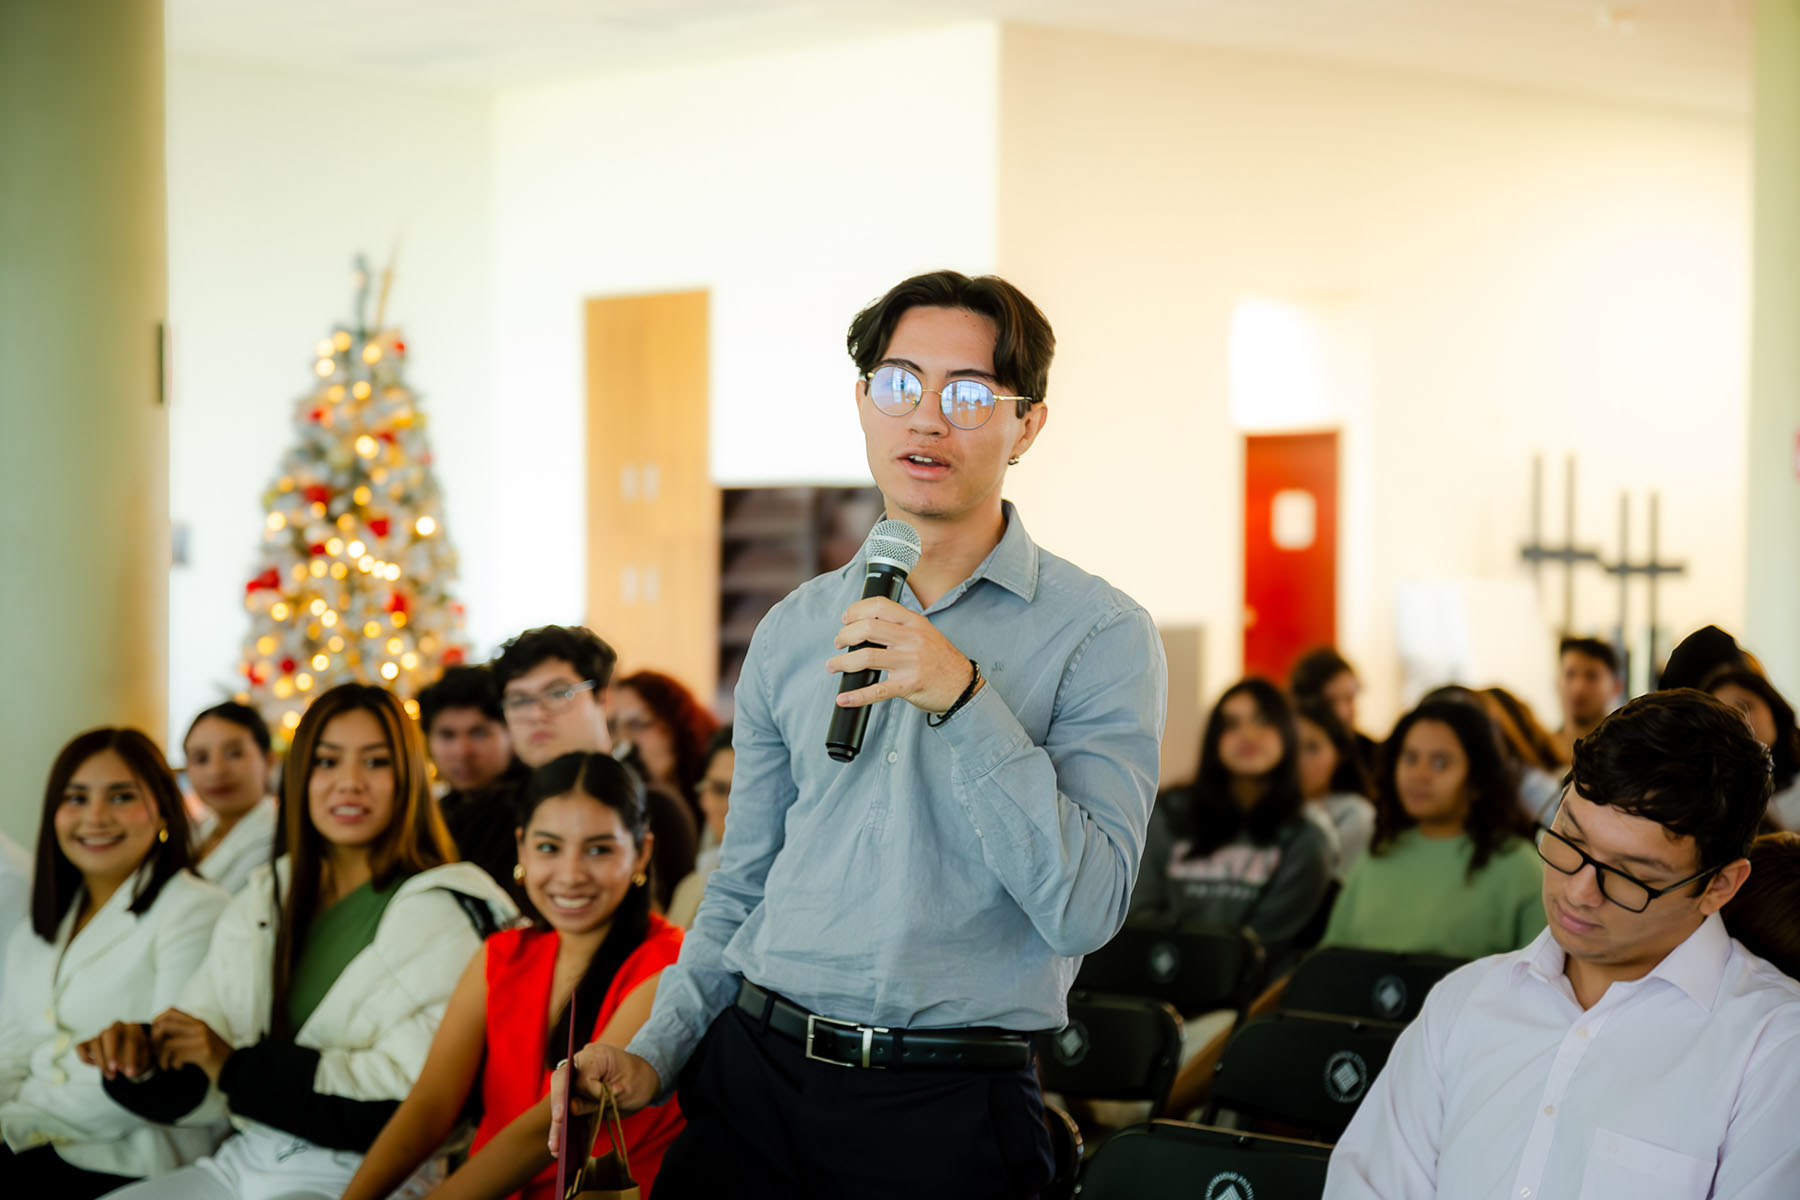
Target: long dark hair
x,y
55,879
1350,777
1212,817
1785,753
604,779
415,839
1530,742
1492,787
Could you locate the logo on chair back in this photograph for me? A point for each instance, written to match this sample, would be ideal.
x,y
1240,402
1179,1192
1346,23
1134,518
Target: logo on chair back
x,y
1164,961
1072,1043
1229,1185
1389,995
1346,1077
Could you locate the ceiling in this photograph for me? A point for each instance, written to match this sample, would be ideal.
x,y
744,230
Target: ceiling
x,y
1692,54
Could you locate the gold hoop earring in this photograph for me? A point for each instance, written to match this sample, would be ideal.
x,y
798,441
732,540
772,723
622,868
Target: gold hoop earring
x,y
640,879
162,835
518,872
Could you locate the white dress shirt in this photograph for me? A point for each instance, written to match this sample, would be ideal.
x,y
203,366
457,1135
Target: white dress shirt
x,y
246,846
1682,1085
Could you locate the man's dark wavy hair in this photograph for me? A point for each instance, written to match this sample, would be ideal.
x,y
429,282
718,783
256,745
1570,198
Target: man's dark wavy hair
x,y
1684,760
1024,342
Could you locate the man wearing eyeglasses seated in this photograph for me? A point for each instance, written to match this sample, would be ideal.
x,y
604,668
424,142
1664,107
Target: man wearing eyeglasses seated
x,y
552,686
852,1009
1634,1050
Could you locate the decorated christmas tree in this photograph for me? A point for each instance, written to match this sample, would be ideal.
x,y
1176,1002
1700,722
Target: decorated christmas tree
x,y
355,569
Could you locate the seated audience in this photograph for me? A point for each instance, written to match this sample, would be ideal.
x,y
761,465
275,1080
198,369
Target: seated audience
x,y
228,754
310,1018
1771,719
593,959
551,683
715,801
662,730
118,924
1324,674
465,734
1765,913
1235,847
1334,783
1589,683
1633,1049
1530,748
1451,869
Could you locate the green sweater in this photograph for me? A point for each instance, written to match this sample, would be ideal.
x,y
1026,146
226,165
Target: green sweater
x,y
1415,895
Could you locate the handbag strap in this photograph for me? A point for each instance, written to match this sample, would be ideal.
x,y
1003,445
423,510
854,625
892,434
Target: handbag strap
x,y
564,1175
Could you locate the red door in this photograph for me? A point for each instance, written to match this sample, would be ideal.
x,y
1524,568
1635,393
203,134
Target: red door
x,y
1290,549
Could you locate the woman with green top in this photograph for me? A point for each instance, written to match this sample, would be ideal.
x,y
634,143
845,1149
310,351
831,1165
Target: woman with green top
x,y
328,974
1451,870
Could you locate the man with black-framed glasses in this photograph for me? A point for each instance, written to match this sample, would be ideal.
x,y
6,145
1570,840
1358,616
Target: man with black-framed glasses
x,y
1633,1050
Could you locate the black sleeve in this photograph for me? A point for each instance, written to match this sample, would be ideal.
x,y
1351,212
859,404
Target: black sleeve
x,y
272,1082
163,1097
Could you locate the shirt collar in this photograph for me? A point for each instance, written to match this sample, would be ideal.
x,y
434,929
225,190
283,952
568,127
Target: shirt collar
x,y
1696,966
1012,563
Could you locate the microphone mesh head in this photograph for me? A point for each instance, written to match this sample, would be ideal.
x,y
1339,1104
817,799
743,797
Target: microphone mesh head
x,y
894,544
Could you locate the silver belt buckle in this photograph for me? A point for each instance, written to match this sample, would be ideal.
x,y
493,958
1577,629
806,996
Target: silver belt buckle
x,y
868,1039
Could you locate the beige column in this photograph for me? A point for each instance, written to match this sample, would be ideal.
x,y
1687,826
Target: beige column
x,y
84,434
1772,602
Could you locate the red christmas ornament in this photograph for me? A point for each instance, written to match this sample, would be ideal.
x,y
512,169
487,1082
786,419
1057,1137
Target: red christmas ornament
x,y
316,549
378,526
453,657
316,416
399,346
269,580
396,603
385,436
287,666
253,675
317,493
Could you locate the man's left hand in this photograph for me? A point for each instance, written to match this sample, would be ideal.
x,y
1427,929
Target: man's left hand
x,y
922,667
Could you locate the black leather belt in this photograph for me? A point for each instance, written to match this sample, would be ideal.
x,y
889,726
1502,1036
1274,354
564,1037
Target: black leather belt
x,y
847,1044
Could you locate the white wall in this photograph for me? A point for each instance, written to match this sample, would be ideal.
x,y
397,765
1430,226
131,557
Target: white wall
x,y
276,179
1529,272
795,188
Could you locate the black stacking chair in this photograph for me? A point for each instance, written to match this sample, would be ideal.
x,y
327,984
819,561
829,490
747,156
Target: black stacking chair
x,y
1197,968
1306,1072
1065,1152
1375,985
1173,1158
1113,1048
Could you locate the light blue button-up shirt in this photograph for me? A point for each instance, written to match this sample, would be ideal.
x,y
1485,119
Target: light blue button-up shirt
x,y
949,876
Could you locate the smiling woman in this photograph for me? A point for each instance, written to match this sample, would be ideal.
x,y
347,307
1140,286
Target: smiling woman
x,y
118,924
309,1020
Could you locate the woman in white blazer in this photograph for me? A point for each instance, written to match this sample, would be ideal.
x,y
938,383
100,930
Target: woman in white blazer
x,y
228,754
311,1017
118,925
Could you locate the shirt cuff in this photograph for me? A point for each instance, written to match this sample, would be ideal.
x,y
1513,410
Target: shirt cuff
x,y
982,735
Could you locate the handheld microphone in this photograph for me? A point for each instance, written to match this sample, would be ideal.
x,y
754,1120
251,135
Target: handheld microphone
x,y
893,550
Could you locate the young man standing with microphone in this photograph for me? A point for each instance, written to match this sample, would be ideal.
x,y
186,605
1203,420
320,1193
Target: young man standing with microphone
x,y
850,1015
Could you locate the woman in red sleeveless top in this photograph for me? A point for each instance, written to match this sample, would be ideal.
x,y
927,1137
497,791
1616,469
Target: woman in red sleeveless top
x,y
584,848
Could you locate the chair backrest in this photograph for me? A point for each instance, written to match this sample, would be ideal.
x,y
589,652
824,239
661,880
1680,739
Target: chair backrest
x,y
1307,1072
1114,1047
1376,985
1065,1153
1195,967
1173,1158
